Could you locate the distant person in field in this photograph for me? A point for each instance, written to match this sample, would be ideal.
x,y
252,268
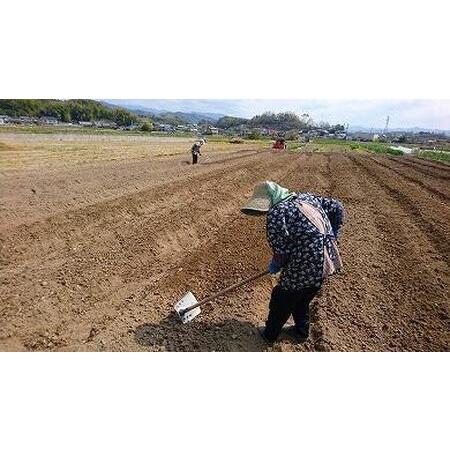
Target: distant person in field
x,y
196,150
302,230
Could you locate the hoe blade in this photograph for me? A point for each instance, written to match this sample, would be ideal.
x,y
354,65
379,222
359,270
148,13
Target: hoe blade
x,y
187,301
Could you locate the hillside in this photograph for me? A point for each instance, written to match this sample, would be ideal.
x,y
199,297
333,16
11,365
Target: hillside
x,y
184,117
67,110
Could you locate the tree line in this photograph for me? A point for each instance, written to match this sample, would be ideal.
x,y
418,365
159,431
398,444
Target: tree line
x,y
284,121
67,110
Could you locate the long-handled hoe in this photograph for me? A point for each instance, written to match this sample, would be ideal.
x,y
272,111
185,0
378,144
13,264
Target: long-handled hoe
x,y
188,307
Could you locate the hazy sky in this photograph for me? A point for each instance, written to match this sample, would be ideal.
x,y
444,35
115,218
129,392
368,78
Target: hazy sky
x,y
369,113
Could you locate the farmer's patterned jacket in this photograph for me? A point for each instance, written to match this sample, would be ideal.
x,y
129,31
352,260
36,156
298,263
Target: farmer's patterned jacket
x,y
297,244
196,148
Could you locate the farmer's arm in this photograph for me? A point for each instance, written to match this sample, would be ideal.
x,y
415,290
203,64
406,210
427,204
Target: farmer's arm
x,y
335,212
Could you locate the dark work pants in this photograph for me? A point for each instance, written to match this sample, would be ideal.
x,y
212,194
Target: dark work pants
x,y
282,304
194,158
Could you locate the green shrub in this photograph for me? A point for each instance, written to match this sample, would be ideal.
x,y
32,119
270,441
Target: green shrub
x,y
255,133
437,156
147,126
291,135
393,151
379,148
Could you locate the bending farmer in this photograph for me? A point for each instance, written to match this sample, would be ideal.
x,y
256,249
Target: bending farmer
x,y
196,150
302,230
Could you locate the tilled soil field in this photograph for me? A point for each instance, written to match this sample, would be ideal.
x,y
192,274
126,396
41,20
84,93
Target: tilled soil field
x,y
94,255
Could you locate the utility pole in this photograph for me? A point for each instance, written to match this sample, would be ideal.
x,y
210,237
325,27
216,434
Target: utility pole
x,y
386,127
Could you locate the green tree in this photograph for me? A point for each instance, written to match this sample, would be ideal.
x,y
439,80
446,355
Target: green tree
x,y
291,135
255,133
228,122
147,126
67,110
282,121
172,119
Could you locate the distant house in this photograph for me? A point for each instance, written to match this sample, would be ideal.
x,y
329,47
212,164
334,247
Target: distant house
x,y
209,129
105,124
166,127
26,119
67,124
313,134
237,130
363,137
20,120
47,120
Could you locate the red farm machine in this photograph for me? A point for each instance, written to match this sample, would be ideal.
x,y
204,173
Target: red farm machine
x,y
279,145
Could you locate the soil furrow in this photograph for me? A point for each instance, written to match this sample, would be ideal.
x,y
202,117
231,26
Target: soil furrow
x,y
427,163
389,278
435,233
441,172
413,179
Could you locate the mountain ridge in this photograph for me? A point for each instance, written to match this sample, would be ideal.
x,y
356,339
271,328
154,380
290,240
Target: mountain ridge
x,y
188,116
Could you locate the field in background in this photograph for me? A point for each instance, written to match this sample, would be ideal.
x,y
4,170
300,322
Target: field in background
x,y
441,154
176,143
31,150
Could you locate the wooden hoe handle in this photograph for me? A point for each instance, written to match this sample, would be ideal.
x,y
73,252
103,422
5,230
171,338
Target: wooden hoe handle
x,y
228,289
